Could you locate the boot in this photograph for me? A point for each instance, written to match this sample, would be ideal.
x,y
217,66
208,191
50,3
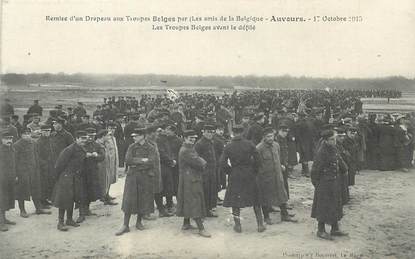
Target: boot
x,y
259,219
236,218
268,221
3,227
139,225
149,217
42,212
202,230
124,229
335,231
110,202
72,223
61,226
285,216
305,169
211,214
187,225
24,214
324,235
163,213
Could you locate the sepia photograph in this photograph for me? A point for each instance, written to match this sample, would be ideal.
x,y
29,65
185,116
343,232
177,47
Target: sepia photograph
x,y
207,129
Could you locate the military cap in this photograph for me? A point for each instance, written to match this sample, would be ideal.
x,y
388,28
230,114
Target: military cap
x,y
189,133
152,128
26,131
268,130
80,133
283,127
209,127
325,134
112,125
171,127
101,133
45,127
258,116
238,129
139,131
91,131
341,131
6,135
34,114
59,120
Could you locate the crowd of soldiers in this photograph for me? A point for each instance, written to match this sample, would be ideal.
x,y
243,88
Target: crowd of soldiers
x,y
192,146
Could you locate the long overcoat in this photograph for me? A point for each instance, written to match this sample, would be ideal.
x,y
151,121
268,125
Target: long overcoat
x,y
68,170
91,189
157,180
387,149
27,170
305,134
103,170
138,197
111,147
190,195
166,164
351,147
327,203
242,189
59,140
270,179
175,144
204,147
46,166
7,177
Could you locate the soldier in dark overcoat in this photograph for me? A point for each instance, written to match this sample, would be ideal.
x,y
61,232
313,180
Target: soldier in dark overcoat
x,y
281,139
372,143
219,142
168,162
59,140
175,144
350,145
138,197
387,149
305,137
46,164
242,189
28,174
190,197
255,131
346,156
204,147
272,191
90,185
7,178
68,170
327,204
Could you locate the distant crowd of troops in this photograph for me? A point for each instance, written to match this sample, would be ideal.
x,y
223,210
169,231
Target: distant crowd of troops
x,y
193,146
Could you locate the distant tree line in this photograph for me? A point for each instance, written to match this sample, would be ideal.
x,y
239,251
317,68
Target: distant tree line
x,y
282,82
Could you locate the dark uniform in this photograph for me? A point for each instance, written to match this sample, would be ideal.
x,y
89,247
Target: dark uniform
x,y
204,147
7,181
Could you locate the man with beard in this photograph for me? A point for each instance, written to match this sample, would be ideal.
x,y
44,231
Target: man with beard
x,y
46,164
7,179
205,149
190,198
272,191
90,188
28,174
138,197
242,189
68,169
327,204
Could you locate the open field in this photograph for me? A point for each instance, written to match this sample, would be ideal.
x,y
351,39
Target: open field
x,y
380,217
379,220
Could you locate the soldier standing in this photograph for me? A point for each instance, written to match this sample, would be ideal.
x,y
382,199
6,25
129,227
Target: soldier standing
x,y
46,164
138,197
204,147
242,189
68,170
7,178
327,204
190,198
272,190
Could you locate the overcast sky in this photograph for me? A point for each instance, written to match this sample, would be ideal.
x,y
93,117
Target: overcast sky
x,y
382,45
